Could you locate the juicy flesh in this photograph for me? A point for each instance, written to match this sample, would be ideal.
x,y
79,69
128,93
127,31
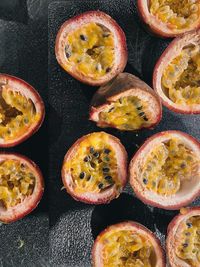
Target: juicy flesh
x,y
94,166
167,166
188,242
181,78
17,114
90,49
126,248
127,113
175,13
17,182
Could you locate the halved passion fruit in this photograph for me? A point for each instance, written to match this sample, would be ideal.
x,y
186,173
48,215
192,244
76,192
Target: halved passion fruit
x,y
95,168
165,171
21,186
176,75
127,244
126,103
91,47
170,18
183,239
21,110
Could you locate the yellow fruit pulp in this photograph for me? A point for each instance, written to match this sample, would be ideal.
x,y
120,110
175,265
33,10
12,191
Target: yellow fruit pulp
x,y
93,166
17,114
90,49
175,13
17,182
188,248
127,113
126,248
181,78
167,166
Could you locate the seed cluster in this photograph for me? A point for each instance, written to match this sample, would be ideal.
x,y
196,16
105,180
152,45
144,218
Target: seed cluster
x,y
167,166
16,183
178,14
91,49
128,113
17,113
189,247
126,248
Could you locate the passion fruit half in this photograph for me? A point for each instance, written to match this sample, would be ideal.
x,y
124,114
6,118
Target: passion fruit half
x,y
126,103
127,244
91,47
21,186
167,18
21,110
94,170
165,171
183,239
176,75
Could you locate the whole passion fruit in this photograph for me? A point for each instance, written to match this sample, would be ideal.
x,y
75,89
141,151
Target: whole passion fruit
x,y
183,239
168,18
95,168
21,186
91,47
176,76
127,244
165,171
126,103
21,110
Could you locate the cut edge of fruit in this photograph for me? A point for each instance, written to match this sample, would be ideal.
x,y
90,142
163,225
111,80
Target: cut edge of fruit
x,y
149,197
172,51
119,45
25,89
108,194
17,212
128,225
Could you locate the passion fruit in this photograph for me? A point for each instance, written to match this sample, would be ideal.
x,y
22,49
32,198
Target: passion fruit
x,y
127,244
21,186
126,103
21,110
94,170
165,171
176,75
183,239
167,18
91,47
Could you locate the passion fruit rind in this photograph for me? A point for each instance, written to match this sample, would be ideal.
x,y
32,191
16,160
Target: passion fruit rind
x,y
180,56
97,258
123,103
174,199
116,58
29,202
95,182
14,113
185,240
156,20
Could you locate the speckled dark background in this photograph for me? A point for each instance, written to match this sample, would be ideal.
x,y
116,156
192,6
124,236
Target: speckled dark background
x,y
60,232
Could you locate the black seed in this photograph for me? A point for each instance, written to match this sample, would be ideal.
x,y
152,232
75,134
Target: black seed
x,y
96,154
92,151
100,186
108,178
108,70
68,52
183,165
145,181
86,159
110,109
82,175
107,159
93,165
189,225
106,169
89,177
107,151
22,165
185,245
145,118
141,114
26,120
187,233
83,37
120,101
139,108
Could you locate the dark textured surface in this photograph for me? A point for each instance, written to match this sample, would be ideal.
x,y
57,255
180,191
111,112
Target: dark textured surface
x,y
74,225
23,52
